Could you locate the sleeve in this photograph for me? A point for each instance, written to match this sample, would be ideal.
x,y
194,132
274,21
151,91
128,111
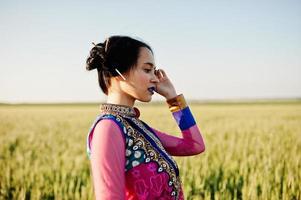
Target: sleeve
x,y
108,161
191,142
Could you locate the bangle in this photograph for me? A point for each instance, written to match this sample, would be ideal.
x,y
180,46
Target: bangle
x,y
177,103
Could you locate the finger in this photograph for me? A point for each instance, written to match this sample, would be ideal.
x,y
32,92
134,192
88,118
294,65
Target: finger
x,y
162,73
158,73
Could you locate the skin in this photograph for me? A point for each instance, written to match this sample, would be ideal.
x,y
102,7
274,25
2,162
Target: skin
x,y
138,80
126,92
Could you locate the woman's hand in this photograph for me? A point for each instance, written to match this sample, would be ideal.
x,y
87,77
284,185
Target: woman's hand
x,y
164,87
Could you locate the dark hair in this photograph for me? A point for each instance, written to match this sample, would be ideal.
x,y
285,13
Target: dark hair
x,y
116,52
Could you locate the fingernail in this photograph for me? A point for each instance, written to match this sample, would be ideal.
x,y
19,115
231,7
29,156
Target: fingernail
x,y
161,73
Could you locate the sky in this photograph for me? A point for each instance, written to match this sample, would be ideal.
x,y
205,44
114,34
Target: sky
x,y
211,50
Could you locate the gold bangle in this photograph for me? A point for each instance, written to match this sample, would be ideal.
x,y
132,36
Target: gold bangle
x,y
177,103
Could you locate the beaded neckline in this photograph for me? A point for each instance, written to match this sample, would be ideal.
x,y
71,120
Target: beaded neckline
x,y
127,111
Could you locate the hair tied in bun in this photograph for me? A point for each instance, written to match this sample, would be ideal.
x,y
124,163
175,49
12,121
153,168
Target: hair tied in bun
x,y
107,43
97,46
96,58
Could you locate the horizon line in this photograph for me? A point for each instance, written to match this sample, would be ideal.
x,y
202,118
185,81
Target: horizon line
x,y
207,100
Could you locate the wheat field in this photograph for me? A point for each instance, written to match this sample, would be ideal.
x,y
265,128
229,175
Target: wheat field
x,y
253,150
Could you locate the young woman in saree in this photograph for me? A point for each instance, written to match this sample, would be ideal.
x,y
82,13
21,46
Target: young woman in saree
x,y
129,159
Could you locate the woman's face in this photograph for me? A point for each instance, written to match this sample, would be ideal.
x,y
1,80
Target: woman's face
x,y
140,79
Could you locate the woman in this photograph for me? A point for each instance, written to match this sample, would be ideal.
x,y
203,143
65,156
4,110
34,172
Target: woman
x,y
129,159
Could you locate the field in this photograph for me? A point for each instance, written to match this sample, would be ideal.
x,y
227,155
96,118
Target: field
x,y
253,150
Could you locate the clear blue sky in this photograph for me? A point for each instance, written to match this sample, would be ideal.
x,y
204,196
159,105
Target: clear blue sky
x,y
210,49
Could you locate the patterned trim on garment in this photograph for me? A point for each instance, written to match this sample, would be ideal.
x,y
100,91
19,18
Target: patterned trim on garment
x,y
119,110
148,151
155,139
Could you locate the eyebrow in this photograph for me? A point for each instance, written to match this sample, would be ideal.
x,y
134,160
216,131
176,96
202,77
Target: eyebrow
x,y
151,64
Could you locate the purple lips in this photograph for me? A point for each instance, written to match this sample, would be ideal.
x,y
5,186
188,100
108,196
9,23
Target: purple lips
x,y
152,89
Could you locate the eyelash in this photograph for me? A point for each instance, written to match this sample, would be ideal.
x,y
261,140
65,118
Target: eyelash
x,y
147,70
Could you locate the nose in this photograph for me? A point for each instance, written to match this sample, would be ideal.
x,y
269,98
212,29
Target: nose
x,y
154,78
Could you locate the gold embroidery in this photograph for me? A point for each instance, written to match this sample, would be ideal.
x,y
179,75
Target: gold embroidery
x,y
118,109
156,156
142,143
154,138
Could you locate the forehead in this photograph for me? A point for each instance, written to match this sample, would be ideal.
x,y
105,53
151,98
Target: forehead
x,y
145,56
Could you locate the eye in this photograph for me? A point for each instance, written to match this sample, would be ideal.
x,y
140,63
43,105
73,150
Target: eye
x,y
147,70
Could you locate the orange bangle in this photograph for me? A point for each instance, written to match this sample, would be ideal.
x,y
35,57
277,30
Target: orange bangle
x,y
177,103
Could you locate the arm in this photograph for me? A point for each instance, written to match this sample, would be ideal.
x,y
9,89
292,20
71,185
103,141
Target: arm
x,y
191,142
108,161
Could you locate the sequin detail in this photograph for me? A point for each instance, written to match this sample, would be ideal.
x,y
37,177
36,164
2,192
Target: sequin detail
x,y
136,142
143,147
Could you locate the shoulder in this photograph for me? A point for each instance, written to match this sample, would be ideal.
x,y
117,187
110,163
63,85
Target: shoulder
x,y
107,125
107,135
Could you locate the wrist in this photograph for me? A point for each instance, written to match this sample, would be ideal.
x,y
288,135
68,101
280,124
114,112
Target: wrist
x,y
171,95
177,103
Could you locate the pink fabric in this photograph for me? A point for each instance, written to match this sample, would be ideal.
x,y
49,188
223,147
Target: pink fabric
x,y
143,183
108,158
190,144
108,161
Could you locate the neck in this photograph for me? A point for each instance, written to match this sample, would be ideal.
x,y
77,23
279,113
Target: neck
x,y
120,99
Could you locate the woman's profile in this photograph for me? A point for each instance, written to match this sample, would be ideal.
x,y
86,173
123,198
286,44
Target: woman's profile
x,y
129,159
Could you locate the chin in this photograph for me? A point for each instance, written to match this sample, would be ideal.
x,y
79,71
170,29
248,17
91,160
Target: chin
x,y
145,99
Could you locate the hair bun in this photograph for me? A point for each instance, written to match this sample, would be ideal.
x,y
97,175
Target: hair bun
x,y
96,58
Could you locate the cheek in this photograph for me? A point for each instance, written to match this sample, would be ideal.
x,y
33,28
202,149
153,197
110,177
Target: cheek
x,y
143,78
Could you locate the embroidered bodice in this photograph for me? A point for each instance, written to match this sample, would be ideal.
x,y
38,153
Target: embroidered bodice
x,y
150,172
